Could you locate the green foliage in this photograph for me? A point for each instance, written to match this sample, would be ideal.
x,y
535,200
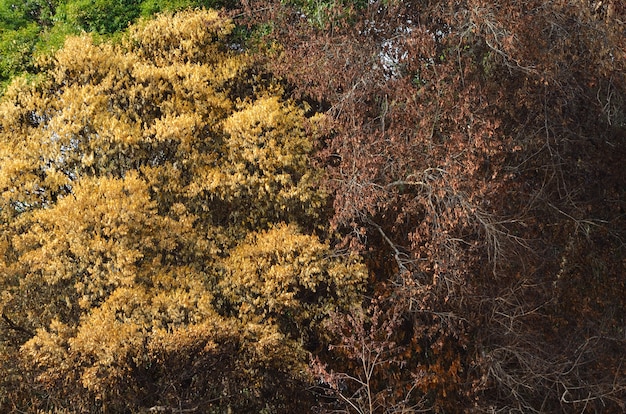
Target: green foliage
x,y
320,13
21,25
102,16
17,48
17,14
151,7
51,40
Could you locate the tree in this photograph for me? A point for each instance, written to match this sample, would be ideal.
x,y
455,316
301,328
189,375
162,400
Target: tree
x,y
144,185
474,149
31,30
102,16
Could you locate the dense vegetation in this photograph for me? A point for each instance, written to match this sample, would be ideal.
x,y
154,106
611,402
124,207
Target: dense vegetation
x,y
32,29
360,207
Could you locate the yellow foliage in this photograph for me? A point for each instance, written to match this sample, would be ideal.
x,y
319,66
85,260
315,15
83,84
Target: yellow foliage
x,y
191,36
141,200
283,274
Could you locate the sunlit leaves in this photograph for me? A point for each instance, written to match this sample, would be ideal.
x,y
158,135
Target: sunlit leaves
x,y
187,37
139,188
282,274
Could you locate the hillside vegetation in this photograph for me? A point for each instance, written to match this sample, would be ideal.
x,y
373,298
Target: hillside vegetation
x,y
356,207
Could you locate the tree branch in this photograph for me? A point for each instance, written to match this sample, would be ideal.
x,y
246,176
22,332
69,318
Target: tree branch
x,y
16,327
396,252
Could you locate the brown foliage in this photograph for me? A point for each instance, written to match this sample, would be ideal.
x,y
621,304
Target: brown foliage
x,y
476,157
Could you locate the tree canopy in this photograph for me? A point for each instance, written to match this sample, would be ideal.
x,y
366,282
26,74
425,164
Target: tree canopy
x,y
159,213
477,163
32,29
355,207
